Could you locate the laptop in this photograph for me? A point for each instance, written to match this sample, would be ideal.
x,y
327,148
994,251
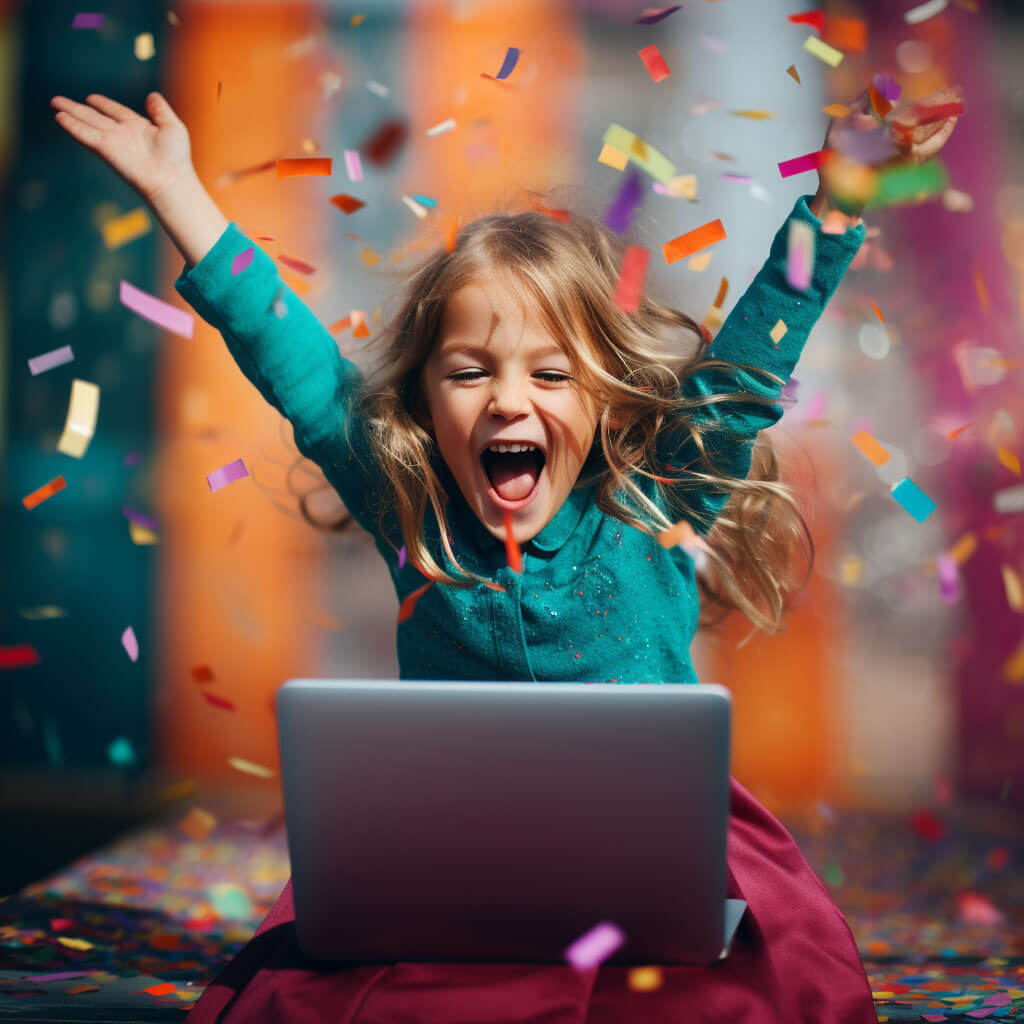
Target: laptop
x,y
501,821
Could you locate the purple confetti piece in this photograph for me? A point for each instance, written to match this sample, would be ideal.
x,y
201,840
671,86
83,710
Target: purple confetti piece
x,y
743,179
353,165
242,260
132,458
226,475
130,643
401,556
48,360
137,517
88,21
153,309
630,195
887,87
652,15
55,976
949,579
596,945
511,59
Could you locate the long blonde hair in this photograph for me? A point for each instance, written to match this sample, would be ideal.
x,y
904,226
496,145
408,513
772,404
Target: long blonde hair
x,y
567,267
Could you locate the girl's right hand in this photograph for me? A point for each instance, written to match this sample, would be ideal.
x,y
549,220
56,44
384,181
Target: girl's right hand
x,y
151,153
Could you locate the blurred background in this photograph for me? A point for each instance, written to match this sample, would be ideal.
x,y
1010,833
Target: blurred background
x,y
889,690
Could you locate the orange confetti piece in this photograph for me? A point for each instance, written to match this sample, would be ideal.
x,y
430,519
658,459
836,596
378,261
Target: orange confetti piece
x,y
409,604
870,448
305,166
359,320
878,312
793,73
847,34
1008,459
165,988
37,497
219,702
79,989
300,265
964,548
341,325
954,434
723,290
515,556
1014,588
197,824
450,235
836,110
1013,667
982,289
654,62
693,241
347,203
880,104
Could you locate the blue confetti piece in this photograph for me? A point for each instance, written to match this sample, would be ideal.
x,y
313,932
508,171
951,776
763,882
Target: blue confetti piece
x,y
424,200
913,499
511,59
120,751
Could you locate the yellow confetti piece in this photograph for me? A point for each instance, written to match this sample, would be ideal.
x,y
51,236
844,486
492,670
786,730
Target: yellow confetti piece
x,y
141,535
241,765
829,54
683,186
613,157
700,261
1008,459
80,425
644,979
754,115
850,569
778,332
1014,589
713,318
126,228
144,48
369,257
642,154
883,995
836,110
793,73
1013,668
74,943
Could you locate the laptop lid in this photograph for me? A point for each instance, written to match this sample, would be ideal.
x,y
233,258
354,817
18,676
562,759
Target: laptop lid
x,y
499,821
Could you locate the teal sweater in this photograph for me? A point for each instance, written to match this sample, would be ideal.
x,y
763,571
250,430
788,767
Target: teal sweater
x,y
597,600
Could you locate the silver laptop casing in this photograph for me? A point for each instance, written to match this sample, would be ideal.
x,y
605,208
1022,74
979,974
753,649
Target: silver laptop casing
x,y
498,822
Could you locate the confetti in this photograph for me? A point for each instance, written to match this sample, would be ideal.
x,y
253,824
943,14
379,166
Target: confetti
x,y
43,611
347,203
124,229
645,156
414,206
242,260
202,674
227,474
304,166
778,332
250,768
297,265
80,425
654,62
878,312
870,448
165,988
369,257
359,321
88,21
130,643
595,946
378,89
693,241
793,73
1014,589
442,127
409,604
402,557
910,183
699,263
913,499
754,115
18,656
50,360
836,110
219,702
652,15
353,165
197,824
816,19
631,278
807,162
230,901
512,552
160,313
817,48
949,579
800,255
630,195
37,497
121,751
507,67
80,944
644,979
924,11
427,201
144,48
381,146
612,157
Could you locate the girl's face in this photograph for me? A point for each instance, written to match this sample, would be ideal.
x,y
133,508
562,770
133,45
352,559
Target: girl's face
x,y
496,377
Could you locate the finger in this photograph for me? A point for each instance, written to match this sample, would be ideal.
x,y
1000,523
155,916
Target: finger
x,y
114,110
160,110
82,113
80,131
927,149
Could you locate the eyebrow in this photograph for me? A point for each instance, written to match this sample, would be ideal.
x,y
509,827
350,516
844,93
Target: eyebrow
x,y
474,350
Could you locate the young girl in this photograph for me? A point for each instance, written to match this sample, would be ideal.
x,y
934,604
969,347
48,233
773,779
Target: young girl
x,y
527,441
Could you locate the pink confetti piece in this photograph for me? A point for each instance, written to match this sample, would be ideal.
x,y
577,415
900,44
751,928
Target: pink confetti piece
x,y
158,312
130,643
48,360
88,21
595,946
402,557
226,475
660,189
800,255
743,179
807,162
949,580
242,260
353,165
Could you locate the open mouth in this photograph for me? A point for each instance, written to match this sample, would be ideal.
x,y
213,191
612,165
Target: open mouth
x,y
513,469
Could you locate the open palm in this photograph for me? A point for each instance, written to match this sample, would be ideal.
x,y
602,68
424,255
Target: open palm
x,y
150,153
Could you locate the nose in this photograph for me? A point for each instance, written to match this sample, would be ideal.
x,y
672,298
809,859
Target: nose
x,y
508,397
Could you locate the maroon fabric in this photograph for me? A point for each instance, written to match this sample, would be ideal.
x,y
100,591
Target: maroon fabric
x,y
793,961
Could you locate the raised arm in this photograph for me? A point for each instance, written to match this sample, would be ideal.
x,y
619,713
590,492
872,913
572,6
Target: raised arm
x,y
275,339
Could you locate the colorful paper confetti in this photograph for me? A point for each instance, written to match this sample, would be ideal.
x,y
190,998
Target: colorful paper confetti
x,y
693,241
50,360
227,474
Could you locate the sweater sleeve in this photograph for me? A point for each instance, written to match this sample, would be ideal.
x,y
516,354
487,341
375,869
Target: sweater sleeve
x,y
745,338
293,361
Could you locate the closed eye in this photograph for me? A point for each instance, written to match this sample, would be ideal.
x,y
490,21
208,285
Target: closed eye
x,y
548,376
